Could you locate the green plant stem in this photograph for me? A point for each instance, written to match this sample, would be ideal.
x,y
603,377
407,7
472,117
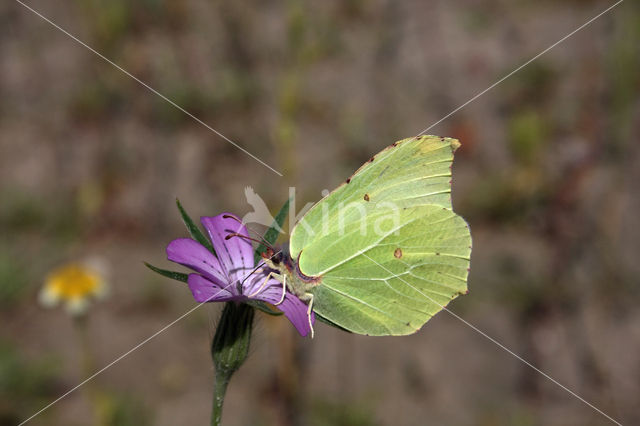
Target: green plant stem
x,y
81,326
222,381
81,329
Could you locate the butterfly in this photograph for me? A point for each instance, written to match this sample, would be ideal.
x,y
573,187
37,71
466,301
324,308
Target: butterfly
x,y
384,252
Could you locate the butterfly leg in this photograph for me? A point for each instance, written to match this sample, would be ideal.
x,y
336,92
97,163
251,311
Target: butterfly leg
x,y
308,298
266,280
284,289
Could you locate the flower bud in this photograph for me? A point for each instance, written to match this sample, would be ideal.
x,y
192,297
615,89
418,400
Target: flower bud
x,y
230,349
230,345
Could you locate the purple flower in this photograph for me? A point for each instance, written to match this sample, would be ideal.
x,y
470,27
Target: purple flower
x,y
231,276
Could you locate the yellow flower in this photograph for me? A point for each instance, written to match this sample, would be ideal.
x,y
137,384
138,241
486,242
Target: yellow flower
x,y
74,285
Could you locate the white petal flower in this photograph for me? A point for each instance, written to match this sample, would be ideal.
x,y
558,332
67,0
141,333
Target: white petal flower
x,y
75,285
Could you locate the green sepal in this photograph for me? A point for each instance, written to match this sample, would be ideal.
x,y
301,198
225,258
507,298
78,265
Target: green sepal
x,y
178,276
230,346
193,229
272,233
261,306
229,349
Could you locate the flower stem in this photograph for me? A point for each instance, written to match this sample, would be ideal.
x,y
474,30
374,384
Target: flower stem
x,y
229,350
222,380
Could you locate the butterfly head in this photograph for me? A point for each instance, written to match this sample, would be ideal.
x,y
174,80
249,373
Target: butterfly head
x,y
272,258
277,259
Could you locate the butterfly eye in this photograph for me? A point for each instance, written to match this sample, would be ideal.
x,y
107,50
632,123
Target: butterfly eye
x,y
267,254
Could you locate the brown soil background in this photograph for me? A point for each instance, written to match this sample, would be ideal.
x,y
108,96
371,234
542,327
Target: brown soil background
x,y
91,163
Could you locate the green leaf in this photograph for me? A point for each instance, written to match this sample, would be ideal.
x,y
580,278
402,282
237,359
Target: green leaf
x,y
261,306
178,276
272,233
194,231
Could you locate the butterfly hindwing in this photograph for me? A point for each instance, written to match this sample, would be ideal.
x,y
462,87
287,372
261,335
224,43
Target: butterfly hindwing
x,y
388,248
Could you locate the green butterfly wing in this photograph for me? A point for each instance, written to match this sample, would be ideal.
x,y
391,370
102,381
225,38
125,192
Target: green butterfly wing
x,y
388,248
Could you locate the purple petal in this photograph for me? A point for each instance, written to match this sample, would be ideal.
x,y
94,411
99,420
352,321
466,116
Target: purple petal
x,y
256,283
292,307
236,253
204,290
194,255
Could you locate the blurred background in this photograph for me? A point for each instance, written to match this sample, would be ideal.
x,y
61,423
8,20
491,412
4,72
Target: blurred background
x,y
548,177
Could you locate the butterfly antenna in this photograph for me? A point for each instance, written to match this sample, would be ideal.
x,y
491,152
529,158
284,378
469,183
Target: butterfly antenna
x,y
260,239
245,237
